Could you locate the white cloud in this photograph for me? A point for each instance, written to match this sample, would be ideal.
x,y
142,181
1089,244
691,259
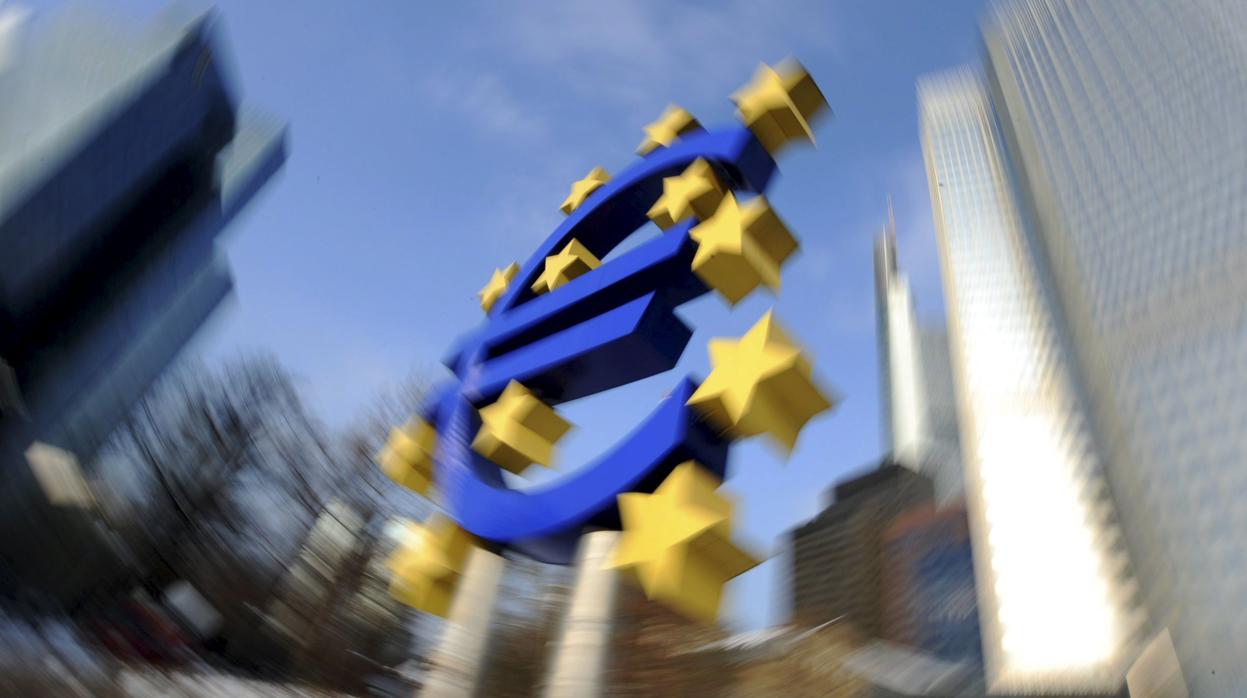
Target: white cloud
x,y
544,76
483,98
630,55
12,19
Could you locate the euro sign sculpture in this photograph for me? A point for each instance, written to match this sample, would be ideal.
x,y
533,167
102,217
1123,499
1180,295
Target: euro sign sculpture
x,y
565,325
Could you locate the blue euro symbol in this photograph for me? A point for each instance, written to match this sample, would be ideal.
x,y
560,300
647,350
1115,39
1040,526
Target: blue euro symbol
x,y
609,327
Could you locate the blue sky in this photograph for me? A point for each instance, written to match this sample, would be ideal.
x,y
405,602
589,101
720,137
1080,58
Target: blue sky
x,y
433,142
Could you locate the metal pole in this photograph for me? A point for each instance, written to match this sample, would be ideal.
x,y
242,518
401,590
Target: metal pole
x,y
458,660
578,669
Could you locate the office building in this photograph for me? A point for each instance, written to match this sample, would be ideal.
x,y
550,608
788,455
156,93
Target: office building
x,y
919,412
1088,194
893,574
123,154
1123,121
928,584
836,557
1055,590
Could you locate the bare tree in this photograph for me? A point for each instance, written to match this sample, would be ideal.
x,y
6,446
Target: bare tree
x,y
344,625
531,603
214,477
369,489
223,478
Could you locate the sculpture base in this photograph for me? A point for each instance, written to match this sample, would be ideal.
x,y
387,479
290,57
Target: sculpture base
x,y
579,665
458,660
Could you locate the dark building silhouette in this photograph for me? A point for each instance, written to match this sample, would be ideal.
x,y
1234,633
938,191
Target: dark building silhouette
x,y
837,557
123,155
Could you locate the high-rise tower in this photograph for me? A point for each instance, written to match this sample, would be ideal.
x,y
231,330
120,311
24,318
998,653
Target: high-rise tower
x,y
918,410
1124,123
123,156
1055,593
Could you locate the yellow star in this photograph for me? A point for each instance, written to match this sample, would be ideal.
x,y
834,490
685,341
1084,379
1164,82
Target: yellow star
x,y
518,430
761,384
740,247
695,192
497,286
575,260
677,542
407,456
429,563
778,105
582,188
673,123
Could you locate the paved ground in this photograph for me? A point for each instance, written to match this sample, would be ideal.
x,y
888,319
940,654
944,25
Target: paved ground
x,y
48,658
156,685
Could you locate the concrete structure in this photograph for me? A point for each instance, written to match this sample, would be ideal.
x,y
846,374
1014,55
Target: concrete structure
x,y
123,154
836,560
1123,123
1055,592
578,668
894,671
123,157
457,663
919,413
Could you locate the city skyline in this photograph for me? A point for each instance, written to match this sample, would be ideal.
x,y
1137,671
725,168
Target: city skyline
x,y
922,351
359,225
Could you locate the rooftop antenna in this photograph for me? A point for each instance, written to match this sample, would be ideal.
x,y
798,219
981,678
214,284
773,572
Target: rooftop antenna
x,y
885,247
891,218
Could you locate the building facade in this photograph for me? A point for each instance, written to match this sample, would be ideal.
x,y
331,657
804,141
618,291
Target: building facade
x,y
919,415
1055,592
836,557
123,155
928,584
1123,121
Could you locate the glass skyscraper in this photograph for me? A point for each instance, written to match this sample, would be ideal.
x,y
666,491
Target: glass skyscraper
x,y
1089,196
1053,591
1125,122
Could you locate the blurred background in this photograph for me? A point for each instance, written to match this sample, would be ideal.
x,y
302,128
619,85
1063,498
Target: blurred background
x,y
237,241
